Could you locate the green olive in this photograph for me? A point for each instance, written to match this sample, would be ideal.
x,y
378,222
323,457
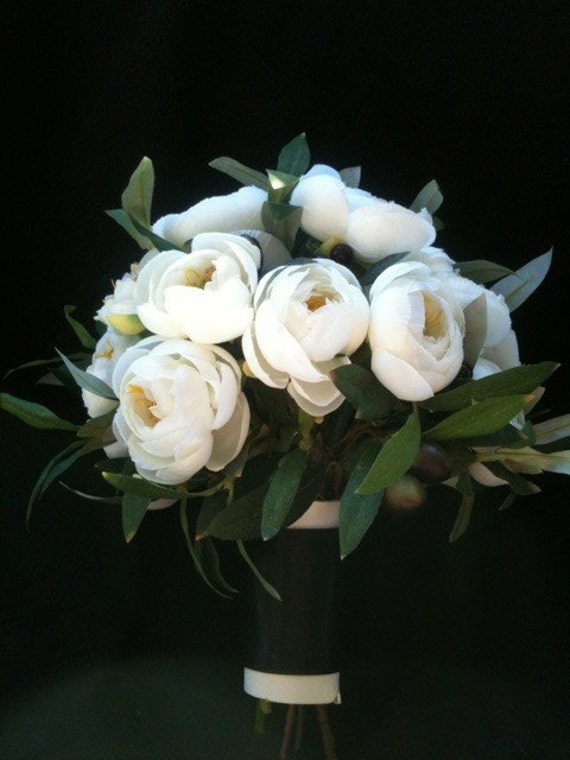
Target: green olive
x,y
432,464
405,494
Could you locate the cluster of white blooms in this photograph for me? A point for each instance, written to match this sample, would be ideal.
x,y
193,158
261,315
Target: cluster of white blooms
x,y
180,405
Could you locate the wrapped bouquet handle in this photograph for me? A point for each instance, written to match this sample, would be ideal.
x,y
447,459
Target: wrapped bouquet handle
x,y
293,658
293,655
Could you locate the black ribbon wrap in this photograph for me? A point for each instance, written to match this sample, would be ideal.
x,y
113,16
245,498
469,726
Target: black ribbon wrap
x,y
300,634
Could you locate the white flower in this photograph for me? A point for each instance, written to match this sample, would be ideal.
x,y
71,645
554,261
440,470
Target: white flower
x,y
220,213
465,291
416,331
309,318
181,408
119,309
373,227
526,460
501,356
440,264
205,295
110,347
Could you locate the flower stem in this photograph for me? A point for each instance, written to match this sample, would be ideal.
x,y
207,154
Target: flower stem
x,y
326,733
288,731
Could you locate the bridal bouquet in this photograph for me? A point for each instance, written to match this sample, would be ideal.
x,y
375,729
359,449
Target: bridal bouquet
x,y
298,339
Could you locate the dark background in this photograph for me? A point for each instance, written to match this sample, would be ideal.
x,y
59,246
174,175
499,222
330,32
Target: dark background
x,y
450,651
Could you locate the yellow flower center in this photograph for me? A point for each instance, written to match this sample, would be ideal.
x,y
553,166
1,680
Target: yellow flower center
x,y
196,279
434,325
142,406
315,302
107,351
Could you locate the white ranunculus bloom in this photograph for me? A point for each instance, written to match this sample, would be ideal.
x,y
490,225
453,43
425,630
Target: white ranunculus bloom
x,y
503,355
438,261
110,347
181,408
373,227
500,342
205,295
416,331
379,229
220,213
498,316
309,318
119,310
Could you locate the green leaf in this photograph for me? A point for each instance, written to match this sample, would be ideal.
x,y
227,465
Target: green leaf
x,y
133,509
88,381
394,458
280,212
280,187
97,427
350,175
430,197
281,220
517,287
136,198
85,338
309,489
272,404
295,157
519,485
282,489
266,585
337,424
481,418
141,487
196,553
156,241
211,506
508,501
241,519
475,329
54,468
368,396
91,496
239,172
35,415
136,203
210,561
119,216
463,517
141,233
357,511
437,223
553,447
523,379
508,436
380,266
481,270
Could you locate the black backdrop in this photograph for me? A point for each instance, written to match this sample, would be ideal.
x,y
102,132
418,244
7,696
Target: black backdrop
x,y
112,651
